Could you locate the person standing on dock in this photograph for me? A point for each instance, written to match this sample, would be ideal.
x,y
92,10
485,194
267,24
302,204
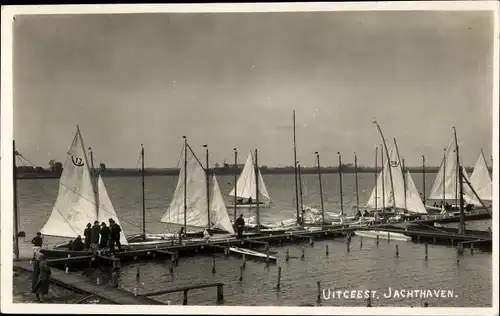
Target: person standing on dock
x,y
36,272
87,235
181,234
114,235
37,242
94,236
240,225
42,286
105,231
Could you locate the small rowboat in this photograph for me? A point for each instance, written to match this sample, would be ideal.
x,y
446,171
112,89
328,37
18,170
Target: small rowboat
x,y
382,235
251,254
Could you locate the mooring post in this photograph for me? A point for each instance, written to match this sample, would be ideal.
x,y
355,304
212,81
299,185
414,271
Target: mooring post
x,y
348,244
397,250
241,273
220,293
279,278
287,255
185,300
245,260
226,252
176,258
116,264
388,237
318,285
458,254
303,256
213,265
361,242
114,279
326,249
472,248
311,241
171,266
426,251
377,239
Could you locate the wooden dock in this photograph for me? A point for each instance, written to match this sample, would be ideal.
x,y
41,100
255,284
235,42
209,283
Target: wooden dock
x,y
83,285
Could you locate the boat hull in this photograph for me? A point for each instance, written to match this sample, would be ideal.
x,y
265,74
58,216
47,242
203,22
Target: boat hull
x,y
382,235
253,205
251,254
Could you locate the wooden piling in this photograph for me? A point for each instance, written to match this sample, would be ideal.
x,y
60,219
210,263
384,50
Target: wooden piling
x,y
287,255
213,265
171,266
278,282
311,241
458,254
348,246
220,293
388,237
138,274
318,286
426,251
397,250
303,256
326,249
185,299
114,280
361,242
176,259
377,239
241,273
472,248
245,260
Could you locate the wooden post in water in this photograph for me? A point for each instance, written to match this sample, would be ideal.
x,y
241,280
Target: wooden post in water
x,y
472,248
185,297
287,255
138,275
326,249
348,244
360,242
311,241
213,265
318,287
245,260
114,279
320,190
220,293
279,278
426,251
340,184
397,250
458,253
388,237
303,256
241,273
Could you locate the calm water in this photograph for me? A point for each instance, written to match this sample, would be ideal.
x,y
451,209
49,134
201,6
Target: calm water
x,y
371,267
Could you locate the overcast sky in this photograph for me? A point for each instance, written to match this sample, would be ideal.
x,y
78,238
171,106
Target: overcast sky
x,y
233,80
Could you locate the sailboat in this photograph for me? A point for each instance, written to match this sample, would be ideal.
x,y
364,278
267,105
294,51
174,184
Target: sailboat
x,y
445,187
246,187
481,180
189,206
400,194
80,200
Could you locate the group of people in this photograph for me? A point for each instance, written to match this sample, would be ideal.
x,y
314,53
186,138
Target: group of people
x,y
359,215
99,237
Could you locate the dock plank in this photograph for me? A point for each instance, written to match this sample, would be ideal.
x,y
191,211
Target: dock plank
x,y
81,284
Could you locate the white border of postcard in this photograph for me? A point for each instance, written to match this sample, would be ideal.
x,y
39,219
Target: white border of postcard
x,y
8,12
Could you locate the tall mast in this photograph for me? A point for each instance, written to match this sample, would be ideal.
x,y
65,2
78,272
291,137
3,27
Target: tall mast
x,y
208,184
295,168
356,181
320,190
402,167
257,200
387,153
444,176
376,178
143,195
301,194
235,183
94,180
423,178
383,177
462,216
185,183
340,183
14,188
458,166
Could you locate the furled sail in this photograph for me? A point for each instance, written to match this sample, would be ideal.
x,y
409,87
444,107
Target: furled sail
x,y
218,211
75,204
246,184
196,197
481,180
106,209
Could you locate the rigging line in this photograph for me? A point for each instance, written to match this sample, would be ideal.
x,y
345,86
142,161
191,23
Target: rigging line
x,y
54,207
109,212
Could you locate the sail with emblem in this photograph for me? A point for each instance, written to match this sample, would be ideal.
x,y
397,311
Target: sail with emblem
x,y
196,194
75,204
247,182
481,180
106,209
219,216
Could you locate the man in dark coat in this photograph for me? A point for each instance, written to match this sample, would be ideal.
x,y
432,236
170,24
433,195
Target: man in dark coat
x,y
114,235
87,234
105,231
42,286
240,225
95,233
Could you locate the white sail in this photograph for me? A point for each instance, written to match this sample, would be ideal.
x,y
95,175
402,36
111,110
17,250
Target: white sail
x,y
414,203
75,204
396,200
382,189
106,209
218,211
196,197
481,180
246,184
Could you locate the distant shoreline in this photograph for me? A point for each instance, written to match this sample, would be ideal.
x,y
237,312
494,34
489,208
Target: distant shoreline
x,y
218,171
